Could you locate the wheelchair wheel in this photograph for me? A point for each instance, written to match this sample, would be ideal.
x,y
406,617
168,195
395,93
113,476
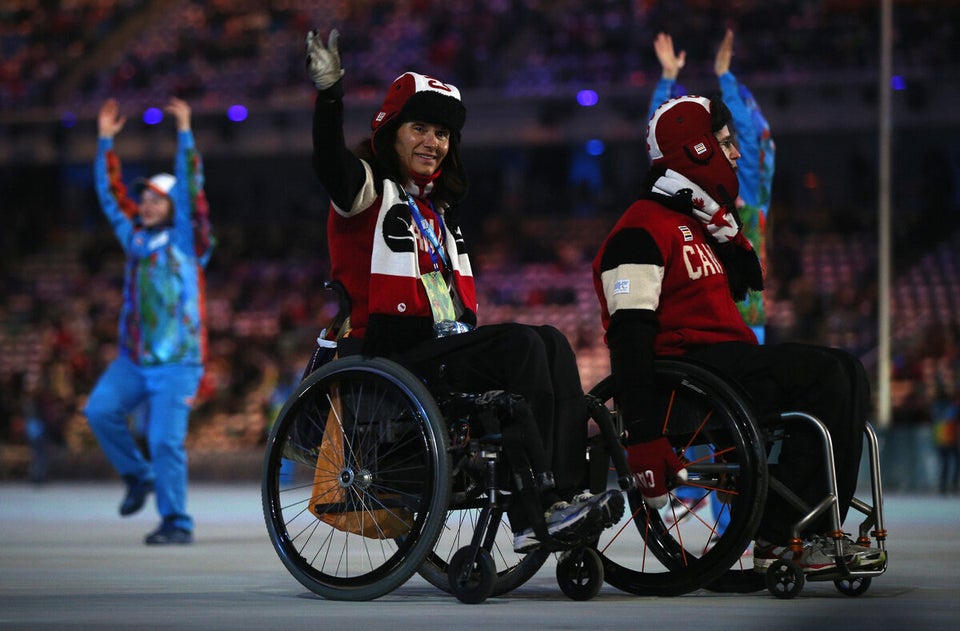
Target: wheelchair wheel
x,y
580,573
512,569
698,539
784,579
853,586
356,481
472,580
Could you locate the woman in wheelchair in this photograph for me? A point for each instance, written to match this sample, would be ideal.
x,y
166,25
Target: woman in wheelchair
x,y
396,247
667,277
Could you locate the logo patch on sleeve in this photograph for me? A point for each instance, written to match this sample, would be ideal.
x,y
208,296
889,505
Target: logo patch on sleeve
x,y
685,231
621,287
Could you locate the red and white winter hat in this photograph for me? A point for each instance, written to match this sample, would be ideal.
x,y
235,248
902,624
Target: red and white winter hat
x,y
161,184
680,137
419,97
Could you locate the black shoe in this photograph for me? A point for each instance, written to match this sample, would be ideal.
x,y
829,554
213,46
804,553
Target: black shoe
x,y
610,504
137,492
167,534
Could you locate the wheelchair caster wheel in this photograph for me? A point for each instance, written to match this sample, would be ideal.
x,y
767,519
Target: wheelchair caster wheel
x,y
853,586
784,579
471,580
580,573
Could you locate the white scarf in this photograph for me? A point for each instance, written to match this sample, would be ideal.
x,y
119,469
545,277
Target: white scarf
x,y
720,222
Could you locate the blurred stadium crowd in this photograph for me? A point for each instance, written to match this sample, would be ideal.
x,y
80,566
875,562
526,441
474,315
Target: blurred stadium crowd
x,y
59,288
81,51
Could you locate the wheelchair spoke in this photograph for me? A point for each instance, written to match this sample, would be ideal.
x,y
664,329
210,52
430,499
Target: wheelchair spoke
x,y
354,490
712,515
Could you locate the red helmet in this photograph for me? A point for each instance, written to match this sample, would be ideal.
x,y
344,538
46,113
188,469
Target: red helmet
x,y
680,137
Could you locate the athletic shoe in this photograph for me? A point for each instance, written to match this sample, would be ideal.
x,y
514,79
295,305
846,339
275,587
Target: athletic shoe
x,y
568,517
525,541
610,503
812,560
167,533
563,518
856,556
136,497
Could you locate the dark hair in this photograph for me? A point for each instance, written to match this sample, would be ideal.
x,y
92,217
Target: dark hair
x,y
719,115
448,189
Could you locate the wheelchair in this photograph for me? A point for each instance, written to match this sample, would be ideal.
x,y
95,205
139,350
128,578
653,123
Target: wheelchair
x,y
370,478
366,483
699,539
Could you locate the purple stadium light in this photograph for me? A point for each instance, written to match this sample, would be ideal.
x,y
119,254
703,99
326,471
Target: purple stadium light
x,y
237,113
152,115
594,147
897,82
587,98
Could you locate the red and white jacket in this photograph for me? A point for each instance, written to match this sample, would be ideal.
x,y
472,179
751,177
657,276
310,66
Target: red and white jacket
x,y
376,249
378,253
659,260
662,291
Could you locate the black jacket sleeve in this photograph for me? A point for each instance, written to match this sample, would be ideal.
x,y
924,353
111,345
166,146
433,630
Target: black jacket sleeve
x,y
630,337
339,170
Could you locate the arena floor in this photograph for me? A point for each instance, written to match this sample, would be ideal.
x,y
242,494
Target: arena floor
x,y
68,561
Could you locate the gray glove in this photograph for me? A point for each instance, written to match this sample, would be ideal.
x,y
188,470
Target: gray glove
x,y
323,64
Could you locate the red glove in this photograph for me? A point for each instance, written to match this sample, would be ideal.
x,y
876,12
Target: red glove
x,y
651,462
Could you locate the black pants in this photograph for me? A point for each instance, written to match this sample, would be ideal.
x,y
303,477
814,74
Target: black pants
x,y
827,383
535,362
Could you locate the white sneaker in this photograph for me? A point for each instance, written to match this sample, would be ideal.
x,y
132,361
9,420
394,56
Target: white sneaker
x,y
525,541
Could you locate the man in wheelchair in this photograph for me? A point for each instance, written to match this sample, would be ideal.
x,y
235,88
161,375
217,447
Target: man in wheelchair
x,y
667,277
396,246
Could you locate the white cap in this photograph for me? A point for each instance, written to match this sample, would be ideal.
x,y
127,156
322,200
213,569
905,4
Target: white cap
x,y
161,183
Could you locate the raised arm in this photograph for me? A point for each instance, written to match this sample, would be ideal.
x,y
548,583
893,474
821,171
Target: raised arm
x,y
111,192
338,169
721,63
191,199
752,131
110,121
671,63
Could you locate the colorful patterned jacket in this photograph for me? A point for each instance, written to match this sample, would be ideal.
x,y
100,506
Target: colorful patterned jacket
x,y
163,317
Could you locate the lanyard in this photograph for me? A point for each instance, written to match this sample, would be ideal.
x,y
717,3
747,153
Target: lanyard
x,y
437,248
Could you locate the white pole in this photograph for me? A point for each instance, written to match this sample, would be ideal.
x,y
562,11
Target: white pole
x,y
884,249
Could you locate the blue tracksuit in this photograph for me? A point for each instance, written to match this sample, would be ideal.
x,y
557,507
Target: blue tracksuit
x,y
162,340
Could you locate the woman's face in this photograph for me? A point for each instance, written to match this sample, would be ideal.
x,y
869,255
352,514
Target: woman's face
x,y
155,208
421,147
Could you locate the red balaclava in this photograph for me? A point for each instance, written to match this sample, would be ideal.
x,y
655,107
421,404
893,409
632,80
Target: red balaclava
x,y
680,137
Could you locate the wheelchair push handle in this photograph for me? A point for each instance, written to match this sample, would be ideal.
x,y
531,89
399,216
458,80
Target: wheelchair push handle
x,y
326,348
343,308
